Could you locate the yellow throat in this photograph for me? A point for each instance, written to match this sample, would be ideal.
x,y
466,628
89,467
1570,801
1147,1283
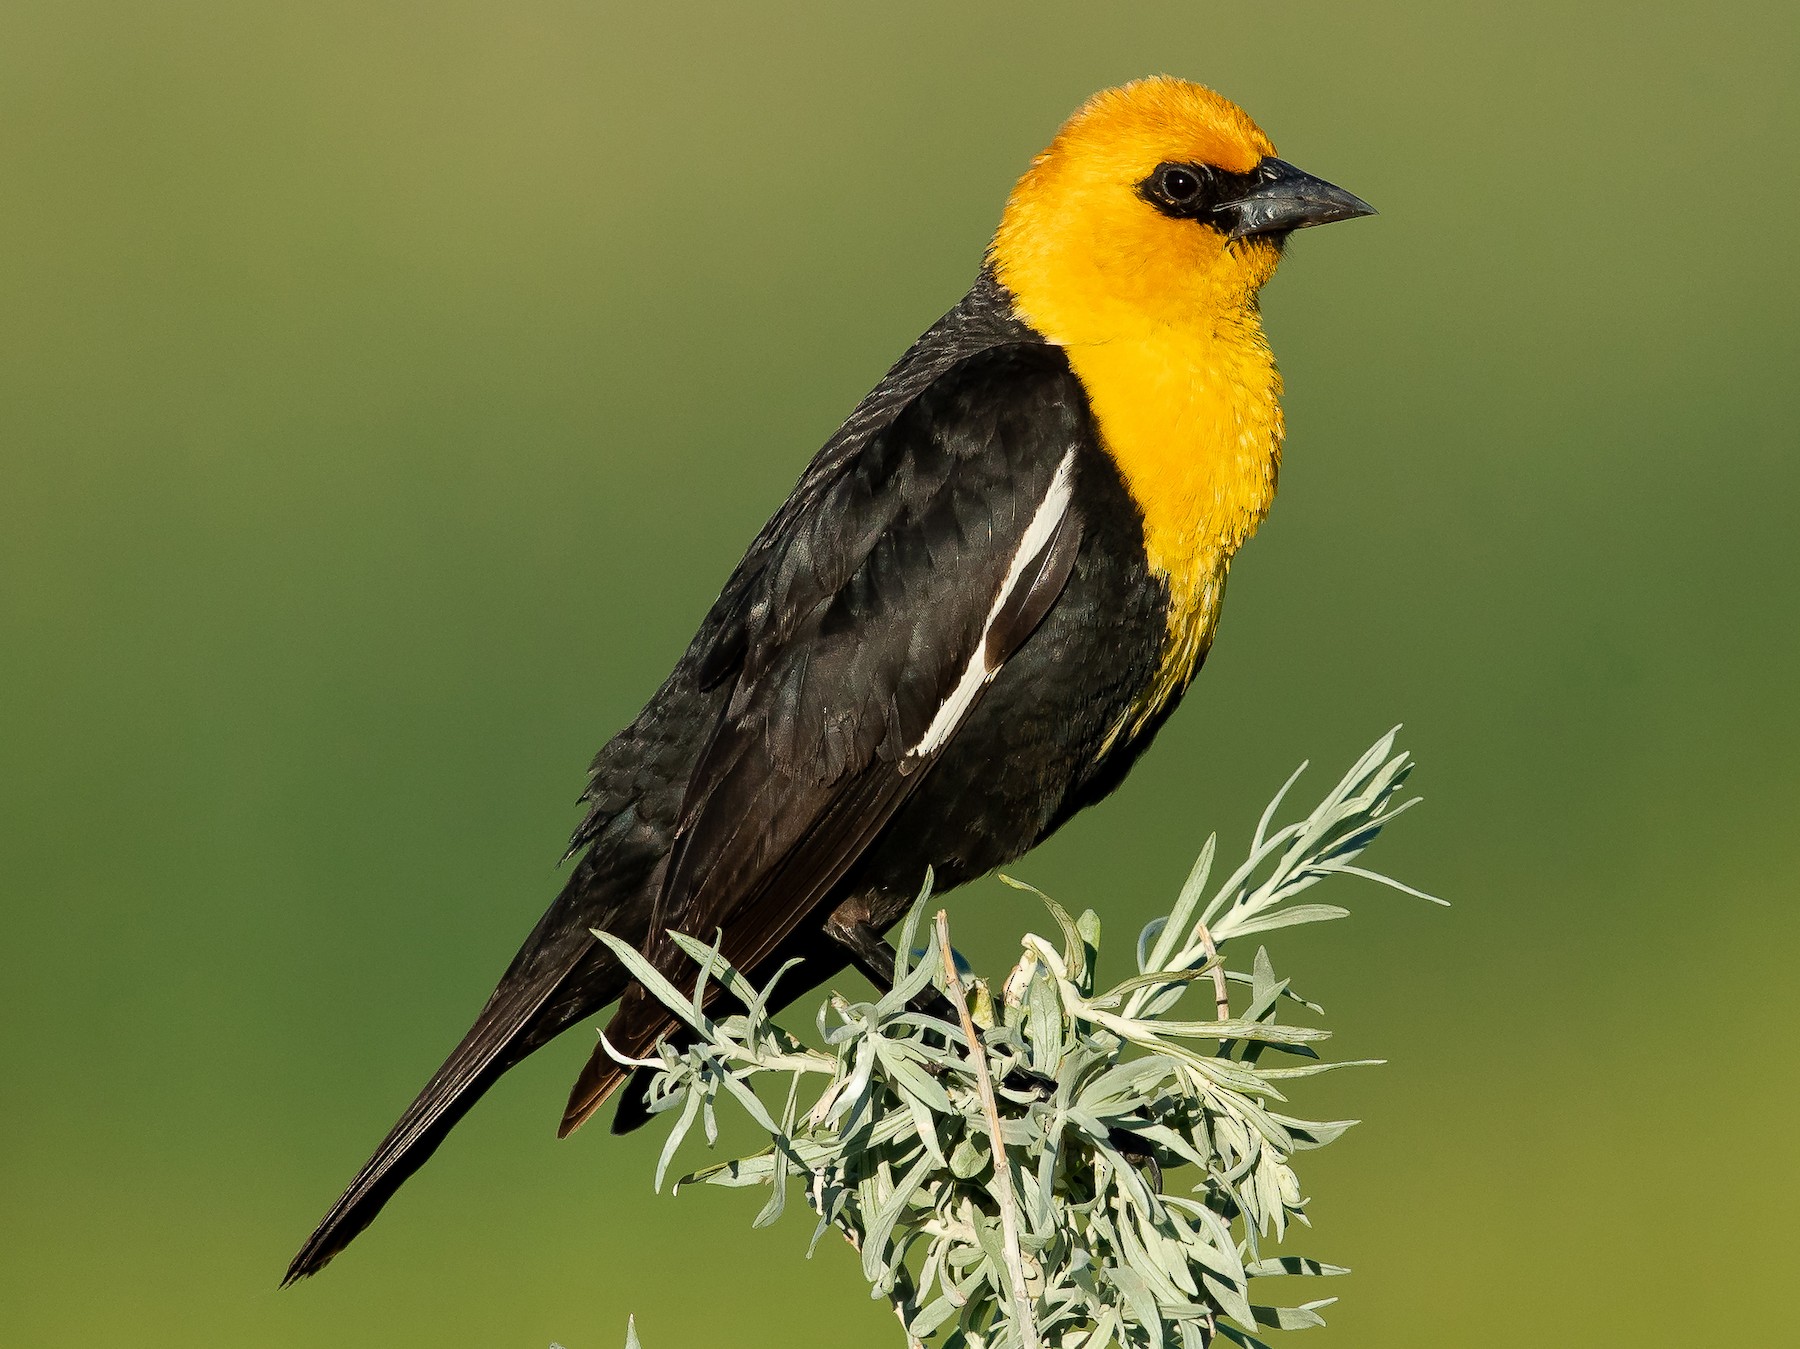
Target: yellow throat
x,y
1194,424
1159,319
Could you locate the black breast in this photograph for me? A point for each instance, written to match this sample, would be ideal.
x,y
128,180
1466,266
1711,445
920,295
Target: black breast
x,y
1036,748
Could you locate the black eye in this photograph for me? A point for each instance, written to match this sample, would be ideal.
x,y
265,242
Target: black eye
x,y
1179,185
1182,191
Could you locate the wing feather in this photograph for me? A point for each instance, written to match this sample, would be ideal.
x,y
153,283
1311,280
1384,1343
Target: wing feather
x,y
878,624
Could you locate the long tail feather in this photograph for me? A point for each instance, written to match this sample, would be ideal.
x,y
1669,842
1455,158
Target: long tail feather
x,y
524,1013
636,1029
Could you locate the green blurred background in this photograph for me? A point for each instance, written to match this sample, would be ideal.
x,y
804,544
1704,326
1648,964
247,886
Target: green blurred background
x,y
386,389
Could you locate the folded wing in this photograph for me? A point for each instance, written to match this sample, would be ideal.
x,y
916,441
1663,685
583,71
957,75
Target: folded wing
x,y
875,623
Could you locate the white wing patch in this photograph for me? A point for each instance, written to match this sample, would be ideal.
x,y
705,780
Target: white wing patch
x,y
978,672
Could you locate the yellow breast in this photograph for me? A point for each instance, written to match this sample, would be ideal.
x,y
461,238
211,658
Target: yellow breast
x,y
1158,316
1193,420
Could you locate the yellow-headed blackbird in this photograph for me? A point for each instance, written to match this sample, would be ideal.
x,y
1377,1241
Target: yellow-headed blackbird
x,y
984,596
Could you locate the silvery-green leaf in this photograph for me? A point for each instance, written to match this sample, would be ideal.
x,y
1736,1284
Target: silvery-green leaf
x,y
645,973
735,1174
688,1110
1262,824
1171,1256
756,1013
1044,1024
1242,1338
1390,882
988,1238
753,1107
1268,1195
1232,892
1287,992
1048,1160
1221,1244
931,1317
1130,1183
1237,1028
1177,1143
1314,1069
1230,1299
1147,939
1087,927
1106,1329
967,1159
881,1226
1232,928
631,1335
1263,988
1158,979
909,930
903,1064
1202,1253
1313,1133
1292,1318
915,983
1292,1264
1138,1257
772,1210
1124,1082
712,967
1141,1302
1074,952
1180,920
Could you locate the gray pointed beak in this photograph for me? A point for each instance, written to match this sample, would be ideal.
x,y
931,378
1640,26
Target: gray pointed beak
x,y
1278,197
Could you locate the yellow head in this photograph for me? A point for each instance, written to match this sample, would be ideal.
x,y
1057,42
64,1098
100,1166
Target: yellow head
x,y
1158,203
1137,242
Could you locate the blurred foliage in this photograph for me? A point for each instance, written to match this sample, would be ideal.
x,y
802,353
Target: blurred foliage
x,y
385,390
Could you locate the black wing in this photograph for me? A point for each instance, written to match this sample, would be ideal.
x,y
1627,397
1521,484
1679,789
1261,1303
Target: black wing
x,y
878,616
652,754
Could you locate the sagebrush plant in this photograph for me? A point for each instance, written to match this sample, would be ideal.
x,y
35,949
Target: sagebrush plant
x,y
1097,1102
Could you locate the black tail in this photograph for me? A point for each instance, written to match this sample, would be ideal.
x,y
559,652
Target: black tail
x,y
558,978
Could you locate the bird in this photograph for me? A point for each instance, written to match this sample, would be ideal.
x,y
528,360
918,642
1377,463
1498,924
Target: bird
x,y
986,593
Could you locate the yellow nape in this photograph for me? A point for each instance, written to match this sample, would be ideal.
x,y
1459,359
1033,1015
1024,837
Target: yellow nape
x,y
1158,318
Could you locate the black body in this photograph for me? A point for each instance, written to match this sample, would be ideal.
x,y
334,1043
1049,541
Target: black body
x,y
779,780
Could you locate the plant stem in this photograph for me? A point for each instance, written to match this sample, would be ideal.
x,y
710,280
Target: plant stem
x,y
984,1083
1221,996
